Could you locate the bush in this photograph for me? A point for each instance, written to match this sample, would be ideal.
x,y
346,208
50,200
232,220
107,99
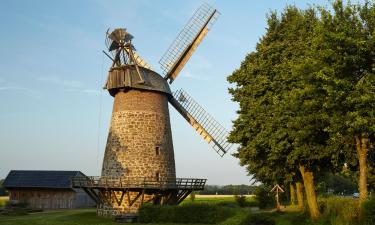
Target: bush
x,y
340,211
3,201
241,200
187,213
13,208
368,209
263,197
192,196
258,219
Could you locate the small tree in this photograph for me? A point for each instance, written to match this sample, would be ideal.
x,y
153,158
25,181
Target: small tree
x,y
192,196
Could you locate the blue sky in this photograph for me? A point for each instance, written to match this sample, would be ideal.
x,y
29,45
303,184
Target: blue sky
x,y
54,114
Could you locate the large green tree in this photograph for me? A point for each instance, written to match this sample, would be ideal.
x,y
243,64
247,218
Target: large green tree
x,y
345,51
307,96
280,127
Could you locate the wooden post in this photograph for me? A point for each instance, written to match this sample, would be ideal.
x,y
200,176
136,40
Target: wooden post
x,y
277,189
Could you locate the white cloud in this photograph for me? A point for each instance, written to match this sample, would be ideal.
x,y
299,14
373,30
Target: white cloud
x,y
9,88
61,82
189,75
6,86
68,85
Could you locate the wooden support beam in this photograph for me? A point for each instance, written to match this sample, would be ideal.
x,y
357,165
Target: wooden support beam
x,y
119,201
135,199
143,196
92,195
103,197
187,192
128,195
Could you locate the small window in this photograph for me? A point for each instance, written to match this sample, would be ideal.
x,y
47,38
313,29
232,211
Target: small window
x,y
157,176
157,150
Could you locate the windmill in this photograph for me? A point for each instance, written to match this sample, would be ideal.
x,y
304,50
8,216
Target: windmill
x,y
138,163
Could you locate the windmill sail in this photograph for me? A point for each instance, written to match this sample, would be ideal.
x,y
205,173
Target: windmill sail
x,y
187,41
201,121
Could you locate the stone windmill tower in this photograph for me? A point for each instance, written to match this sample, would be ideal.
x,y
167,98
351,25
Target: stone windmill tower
x,y
139,161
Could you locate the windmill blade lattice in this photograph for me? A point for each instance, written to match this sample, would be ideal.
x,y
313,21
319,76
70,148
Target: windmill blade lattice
x,y
212,131
187,41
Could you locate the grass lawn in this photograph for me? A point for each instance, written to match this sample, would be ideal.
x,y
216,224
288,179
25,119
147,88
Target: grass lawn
x,y
81,217
88,216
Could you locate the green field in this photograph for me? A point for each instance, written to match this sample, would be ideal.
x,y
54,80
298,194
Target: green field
x,y
88,216
75,217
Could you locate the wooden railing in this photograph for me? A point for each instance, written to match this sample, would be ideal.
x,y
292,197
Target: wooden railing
x,y
138,182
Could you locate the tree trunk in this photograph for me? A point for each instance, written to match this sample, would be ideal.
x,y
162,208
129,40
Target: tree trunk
x,y
362,150
292,194
308,181
299,188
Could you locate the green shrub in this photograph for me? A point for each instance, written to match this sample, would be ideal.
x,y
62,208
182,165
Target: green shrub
x,y
187,213
192,196
257,219
241,200
263,197
13,208
368,209
3,202
339,211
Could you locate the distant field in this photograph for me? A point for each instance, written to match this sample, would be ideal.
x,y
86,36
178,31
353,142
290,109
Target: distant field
x,y
217,198
221,196
3,200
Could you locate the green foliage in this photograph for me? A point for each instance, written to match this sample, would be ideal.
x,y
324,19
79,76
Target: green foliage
x,y
263,197
3,191
336,184
241,200
345,53
187,213
15,209
306,92
280,123
3,201
339,211
192,196
369,211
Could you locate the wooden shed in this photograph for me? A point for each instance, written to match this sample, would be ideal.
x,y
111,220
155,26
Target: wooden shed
x,y
42,189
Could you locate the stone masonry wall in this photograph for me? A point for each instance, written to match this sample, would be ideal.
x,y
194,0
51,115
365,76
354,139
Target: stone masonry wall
x,y
139,143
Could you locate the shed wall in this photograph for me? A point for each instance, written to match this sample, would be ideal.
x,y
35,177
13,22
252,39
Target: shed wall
x,y
50,198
